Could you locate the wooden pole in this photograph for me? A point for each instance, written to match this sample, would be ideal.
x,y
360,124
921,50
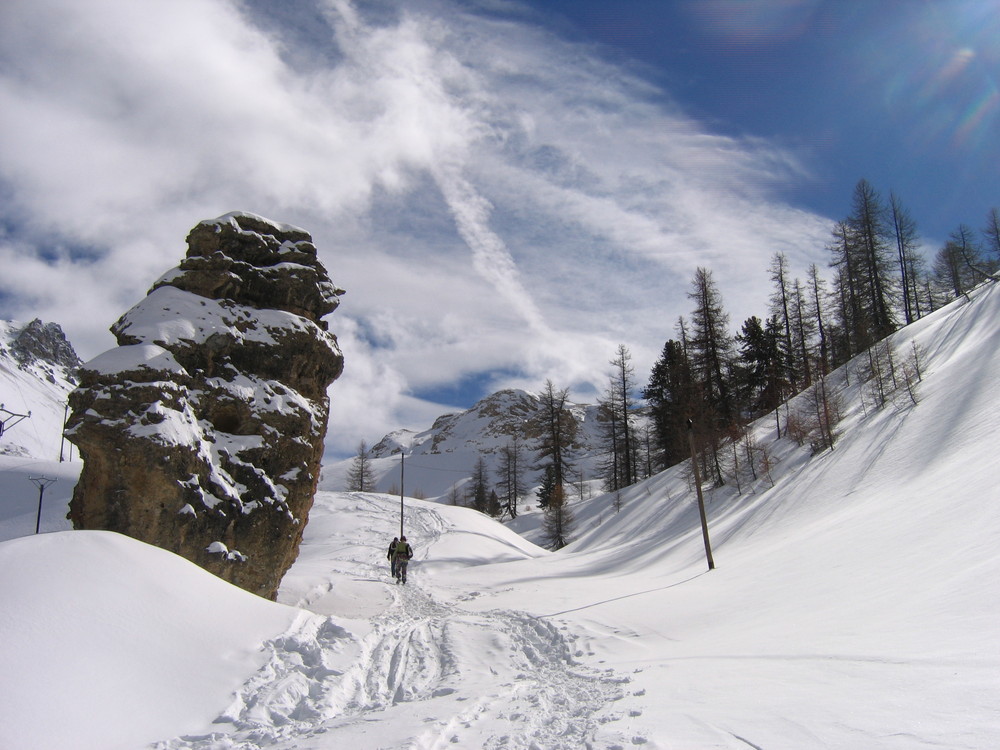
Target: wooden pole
x,y
701,498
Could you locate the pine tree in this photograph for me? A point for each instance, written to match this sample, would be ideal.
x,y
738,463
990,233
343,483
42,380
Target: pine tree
x,y
547,487
760,370
669,395
558,521
478,491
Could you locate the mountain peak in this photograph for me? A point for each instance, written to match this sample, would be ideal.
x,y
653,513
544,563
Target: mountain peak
x,y
43,342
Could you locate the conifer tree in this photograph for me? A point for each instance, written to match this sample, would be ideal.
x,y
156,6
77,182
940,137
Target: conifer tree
x,y
558,521
817,297
711,347
780,309
556,428
511,475
760,366
361,475
991,235
869,241
478,492
669,396
905,233
618,431
711,353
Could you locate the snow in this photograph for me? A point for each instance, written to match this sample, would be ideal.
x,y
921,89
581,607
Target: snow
x,y
855,604
168,316
135,357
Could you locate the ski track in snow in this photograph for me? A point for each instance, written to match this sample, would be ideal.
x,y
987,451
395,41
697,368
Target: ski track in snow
x,y
497,680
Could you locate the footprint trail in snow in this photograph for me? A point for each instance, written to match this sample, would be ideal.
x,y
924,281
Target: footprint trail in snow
x,y
423,676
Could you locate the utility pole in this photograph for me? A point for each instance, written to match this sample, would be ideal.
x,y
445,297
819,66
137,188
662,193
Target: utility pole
x,y
9,418
62,437
402,469
41,483
701,498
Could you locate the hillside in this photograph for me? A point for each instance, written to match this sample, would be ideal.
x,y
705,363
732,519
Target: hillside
x,y
446,453
854,604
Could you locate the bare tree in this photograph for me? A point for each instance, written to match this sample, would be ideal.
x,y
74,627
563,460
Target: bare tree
x,y
511,475
905,233
619,437
361,475
991,234
556,428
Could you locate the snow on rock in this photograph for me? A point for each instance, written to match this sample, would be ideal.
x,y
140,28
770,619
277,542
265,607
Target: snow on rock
x,y
206,424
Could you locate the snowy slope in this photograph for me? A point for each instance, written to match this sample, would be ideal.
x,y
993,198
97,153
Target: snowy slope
x,y
854,605
446,453
37,386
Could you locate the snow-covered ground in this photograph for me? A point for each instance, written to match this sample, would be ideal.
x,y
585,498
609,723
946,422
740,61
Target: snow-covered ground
x,y
855,604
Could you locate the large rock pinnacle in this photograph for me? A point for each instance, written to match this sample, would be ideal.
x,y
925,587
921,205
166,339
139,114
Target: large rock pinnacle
x,y
202,432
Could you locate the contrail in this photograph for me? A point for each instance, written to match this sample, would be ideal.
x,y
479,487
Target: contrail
x,y
491,258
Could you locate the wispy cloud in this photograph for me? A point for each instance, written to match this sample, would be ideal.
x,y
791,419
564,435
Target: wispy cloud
x,y
494,199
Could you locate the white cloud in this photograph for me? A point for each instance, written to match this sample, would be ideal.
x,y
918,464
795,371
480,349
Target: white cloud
x,y
492,197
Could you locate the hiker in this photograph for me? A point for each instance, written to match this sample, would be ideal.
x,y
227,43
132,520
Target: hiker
x,y
403,554
391,556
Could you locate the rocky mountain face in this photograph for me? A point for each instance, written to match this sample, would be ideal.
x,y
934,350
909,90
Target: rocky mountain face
x,y
490,424
202,432
38,368
446,453
44,344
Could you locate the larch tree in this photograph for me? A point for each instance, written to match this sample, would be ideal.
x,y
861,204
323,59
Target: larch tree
x,y
853,334
817,297
904,230
711,352
556,429
869,240
361,475
711,346
991,236
780,308
510,475
802,334
617,408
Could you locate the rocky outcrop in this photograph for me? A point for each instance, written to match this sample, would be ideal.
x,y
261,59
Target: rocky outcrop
x,y
202,432
40,343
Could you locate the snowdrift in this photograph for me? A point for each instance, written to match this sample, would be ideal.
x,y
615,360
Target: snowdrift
x,y
855,604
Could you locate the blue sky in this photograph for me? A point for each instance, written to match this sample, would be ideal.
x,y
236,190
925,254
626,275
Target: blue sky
x,y
507,191
905,93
